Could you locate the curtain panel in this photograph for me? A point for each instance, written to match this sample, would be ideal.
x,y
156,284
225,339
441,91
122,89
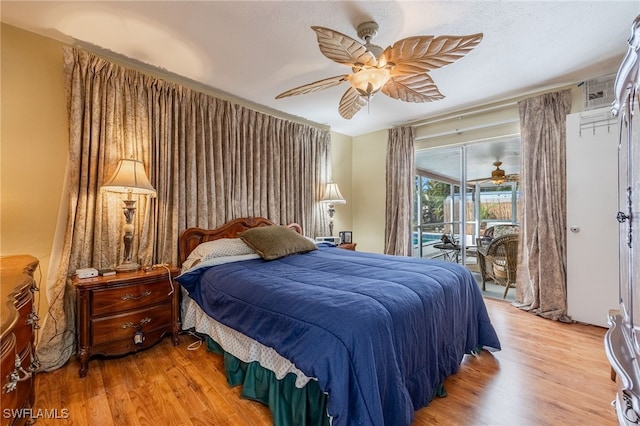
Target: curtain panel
x,y
208,159
400,178
541,284
215,161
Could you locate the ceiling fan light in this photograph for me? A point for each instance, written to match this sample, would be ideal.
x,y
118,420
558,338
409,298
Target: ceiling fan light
x,y
498,176
368,81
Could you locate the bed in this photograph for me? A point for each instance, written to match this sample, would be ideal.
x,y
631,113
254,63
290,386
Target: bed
x,y
365,339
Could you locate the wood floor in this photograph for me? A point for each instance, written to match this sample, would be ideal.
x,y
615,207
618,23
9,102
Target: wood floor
x,y
547,373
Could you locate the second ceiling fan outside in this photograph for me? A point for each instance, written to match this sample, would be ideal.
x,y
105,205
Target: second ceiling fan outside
x,y
498,176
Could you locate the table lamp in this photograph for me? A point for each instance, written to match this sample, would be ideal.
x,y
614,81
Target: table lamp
x,y
129,178
332,196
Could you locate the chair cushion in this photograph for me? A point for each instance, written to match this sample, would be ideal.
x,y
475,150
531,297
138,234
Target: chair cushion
x,y
500,268
502,230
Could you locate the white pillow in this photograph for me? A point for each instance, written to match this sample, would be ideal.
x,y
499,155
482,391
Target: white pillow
x,y
313,240
216,248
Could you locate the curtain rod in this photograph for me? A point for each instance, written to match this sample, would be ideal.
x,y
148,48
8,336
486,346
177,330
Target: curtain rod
x,y
482,108
459,115
189,83
468,129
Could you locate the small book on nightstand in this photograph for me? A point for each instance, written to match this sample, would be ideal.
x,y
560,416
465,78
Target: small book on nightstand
x,y
106,272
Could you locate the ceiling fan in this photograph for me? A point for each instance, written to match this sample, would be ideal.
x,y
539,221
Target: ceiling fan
x,y
498,176
399,71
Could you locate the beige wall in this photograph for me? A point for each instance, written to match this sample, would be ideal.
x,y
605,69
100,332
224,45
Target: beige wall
x,y
368,190
34,145
341,157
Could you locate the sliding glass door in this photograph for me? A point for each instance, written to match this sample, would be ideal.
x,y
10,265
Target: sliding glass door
x,y
456,198
437,208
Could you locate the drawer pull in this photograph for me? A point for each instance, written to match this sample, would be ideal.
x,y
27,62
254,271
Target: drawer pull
x,y
14,376
33,320
130,296
628,412
129,324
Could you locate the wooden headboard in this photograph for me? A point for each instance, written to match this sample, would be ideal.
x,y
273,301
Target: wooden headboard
x,y
192,237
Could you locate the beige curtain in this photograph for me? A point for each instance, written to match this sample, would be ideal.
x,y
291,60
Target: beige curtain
x,y
401,175
541,282
209,160
215,161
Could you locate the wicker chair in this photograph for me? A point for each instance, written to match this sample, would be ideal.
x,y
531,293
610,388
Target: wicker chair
x,y
499,261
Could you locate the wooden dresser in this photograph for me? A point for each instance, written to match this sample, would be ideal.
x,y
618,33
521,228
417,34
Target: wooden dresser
x,y
126,312
19,320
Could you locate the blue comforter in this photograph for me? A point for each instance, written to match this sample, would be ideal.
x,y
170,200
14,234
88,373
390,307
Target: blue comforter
x,y
380,333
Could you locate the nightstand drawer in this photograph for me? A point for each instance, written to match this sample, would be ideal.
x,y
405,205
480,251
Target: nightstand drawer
x,y
119,299
124,326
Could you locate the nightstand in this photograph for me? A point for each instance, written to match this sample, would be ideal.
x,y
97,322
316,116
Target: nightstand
x,y
126,312
348,246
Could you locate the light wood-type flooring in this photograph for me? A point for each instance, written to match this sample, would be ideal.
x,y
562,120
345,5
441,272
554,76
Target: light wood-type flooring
x,y
548,373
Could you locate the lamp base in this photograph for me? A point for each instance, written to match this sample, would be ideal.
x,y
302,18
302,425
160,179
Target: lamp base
x,y
127,267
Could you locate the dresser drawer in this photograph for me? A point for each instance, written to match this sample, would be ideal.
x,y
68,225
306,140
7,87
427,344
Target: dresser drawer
x,y
119,299
124,326
17,285
21,396
10,399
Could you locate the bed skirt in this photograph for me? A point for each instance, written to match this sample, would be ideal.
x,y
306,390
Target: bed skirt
x,y
289,404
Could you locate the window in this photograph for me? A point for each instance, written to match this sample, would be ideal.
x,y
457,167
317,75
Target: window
x,y
498,205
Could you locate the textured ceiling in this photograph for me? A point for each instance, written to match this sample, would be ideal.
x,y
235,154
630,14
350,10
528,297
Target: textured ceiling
x,y
257,49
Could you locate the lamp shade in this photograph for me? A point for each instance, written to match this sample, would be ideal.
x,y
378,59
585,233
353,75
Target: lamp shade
x,y
332,194
130,177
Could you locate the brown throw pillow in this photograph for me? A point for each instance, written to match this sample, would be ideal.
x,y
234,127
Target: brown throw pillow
x,y
274,242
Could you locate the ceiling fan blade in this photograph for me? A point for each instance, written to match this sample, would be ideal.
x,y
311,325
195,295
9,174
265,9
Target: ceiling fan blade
x,y
412,88
425,53
515,177
479,180
351,103
342,48
315,86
